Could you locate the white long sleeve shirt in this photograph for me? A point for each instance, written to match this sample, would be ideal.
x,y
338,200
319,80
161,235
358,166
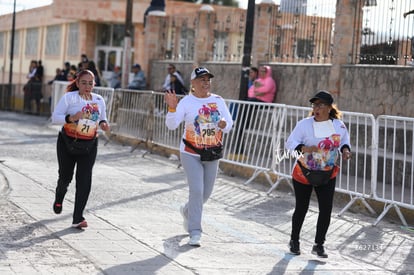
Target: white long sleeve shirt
x,y
329,146
200,116
94,111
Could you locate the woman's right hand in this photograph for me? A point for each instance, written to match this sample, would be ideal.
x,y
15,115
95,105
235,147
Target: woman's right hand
x,y
76,117
171,99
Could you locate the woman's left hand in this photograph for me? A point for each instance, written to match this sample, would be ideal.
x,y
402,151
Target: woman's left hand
x,y
104,126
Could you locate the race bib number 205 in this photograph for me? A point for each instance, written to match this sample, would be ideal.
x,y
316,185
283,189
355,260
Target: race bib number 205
x,y
208,133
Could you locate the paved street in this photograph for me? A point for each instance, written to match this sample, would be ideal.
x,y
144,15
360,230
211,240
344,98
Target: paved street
x,y
135,226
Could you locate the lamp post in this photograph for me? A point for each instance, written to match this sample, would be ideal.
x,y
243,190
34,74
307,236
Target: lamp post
x,y
247,50
126,59
9,91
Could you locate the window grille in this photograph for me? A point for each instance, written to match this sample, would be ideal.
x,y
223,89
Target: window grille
x,y
73,39
32,41
53,38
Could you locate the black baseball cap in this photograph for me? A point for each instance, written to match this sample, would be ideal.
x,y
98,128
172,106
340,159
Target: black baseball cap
x,y
197,72
324,96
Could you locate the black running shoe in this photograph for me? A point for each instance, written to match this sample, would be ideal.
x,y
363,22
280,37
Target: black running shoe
x,y
319,250
57,208
294,247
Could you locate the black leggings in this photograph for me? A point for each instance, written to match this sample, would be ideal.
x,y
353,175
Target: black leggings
x,y
84,165
324,194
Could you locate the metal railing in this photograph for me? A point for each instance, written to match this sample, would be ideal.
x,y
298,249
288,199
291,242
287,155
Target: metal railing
x,y
301,32
395,183
256,135
383,154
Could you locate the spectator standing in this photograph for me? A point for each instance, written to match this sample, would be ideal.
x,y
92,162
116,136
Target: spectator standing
x,y
84,58
66,69
40,70
35,87
176,85
261,88
27,92
253,73
171,69
317,140
138,81
116,77
91,66
264,87
206,118
32,69
71,75
74,68
59,76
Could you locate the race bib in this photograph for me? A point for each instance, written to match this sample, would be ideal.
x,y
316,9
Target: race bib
x,y
86,128
323,129
208,133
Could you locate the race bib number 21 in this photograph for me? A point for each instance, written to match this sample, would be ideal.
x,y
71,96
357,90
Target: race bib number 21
x,y
86,127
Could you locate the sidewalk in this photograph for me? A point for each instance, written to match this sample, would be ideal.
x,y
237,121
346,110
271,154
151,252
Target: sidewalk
x,y
135,226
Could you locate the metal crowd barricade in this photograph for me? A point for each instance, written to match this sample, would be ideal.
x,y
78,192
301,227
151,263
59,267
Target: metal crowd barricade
x,y
255,136
283,160
395,178
358,174
108,96
383,155
162,136
58,90
135,114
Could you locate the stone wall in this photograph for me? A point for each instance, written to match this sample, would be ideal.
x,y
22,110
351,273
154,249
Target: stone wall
x,y
378,90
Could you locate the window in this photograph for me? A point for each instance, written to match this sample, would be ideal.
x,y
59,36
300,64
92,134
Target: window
x,y
187,41
111,35
118,36
304,49
32,41
73,39
220,50
53,40
104,35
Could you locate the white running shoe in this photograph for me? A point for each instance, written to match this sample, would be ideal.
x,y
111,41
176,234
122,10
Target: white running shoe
x,y
195,240
185,220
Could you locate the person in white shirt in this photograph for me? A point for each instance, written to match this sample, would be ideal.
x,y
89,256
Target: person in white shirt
x,y
206,117
81,112
317,141
166,86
